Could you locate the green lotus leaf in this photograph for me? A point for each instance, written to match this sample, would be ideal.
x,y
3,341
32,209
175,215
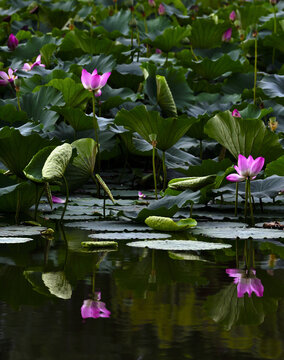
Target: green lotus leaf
x,y
179,245
47,52
275,167
250,14
272,85
57,284
193,183
171,37
206,34
57,162
33,171
17,150
117,24
75,117
82,165
246,137
164,97
74,93
10,114
167,224
105,187
145,122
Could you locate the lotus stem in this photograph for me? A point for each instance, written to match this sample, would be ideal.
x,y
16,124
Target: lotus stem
x,y
250,204
95,121
201,149
104,206
154,171
67,197
191,209
18,100
246,198
192,53
164,171
237,253
236,200
37,200
97,184
145,25
255,70
261,205
274,31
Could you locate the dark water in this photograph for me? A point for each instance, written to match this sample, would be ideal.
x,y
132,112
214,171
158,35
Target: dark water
x,y
161,307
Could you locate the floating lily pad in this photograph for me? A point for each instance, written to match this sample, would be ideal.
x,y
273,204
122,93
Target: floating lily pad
x,y
20,230
13,240
230,230
167,224
129,236
106,226
98,244
180,245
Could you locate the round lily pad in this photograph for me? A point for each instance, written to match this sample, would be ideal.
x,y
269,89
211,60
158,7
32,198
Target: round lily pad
x,y
14,240
180,245
21,230
230,230
129,236
167,224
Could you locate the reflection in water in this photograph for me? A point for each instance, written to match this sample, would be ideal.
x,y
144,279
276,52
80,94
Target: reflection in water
x,y
94,308
246,282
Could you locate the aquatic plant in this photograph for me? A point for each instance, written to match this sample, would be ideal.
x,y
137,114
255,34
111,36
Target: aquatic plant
x,y
7,78
12,42
94,308
246,282
29,67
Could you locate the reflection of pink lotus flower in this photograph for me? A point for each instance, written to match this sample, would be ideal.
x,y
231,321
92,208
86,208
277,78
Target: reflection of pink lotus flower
x,y
28,67
232,15
235,113
227,35
247,168
161,9
94,82
12,42
246,281
94,308
57,200
7,78
141,195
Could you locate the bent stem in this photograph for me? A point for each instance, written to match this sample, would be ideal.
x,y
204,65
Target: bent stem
x,y
250,204
164,171
154,171
255,70
236,200
67,197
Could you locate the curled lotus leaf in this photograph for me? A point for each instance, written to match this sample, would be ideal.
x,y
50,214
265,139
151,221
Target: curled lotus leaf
x,y
193,183
167,224
57,162
57,284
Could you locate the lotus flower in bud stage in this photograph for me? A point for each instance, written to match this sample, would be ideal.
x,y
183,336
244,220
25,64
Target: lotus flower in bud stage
x,y
94,82
235,113
152,3
233,15
158,51
12,42
247,168
28,67
227,35
161,9
7,78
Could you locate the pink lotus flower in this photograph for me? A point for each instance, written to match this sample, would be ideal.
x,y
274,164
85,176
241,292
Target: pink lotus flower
x,y
246,282
152,3
161,9
235,113
233,15
57,200
7,78
12,42
158,51
141,195
247,168
28,67
227,35
94,308
94,82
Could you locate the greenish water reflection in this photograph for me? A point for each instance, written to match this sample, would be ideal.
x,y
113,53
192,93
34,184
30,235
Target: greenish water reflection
x,y
157,306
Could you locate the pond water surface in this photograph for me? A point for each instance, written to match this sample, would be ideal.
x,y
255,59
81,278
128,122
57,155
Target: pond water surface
x,y
146,304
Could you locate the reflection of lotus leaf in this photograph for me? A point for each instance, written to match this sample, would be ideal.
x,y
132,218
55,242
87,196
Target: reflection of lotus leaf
x,y
57,284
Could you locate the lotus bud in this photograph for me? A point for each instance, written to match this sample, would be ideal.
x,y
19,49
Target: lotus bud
x,y
17,84
233,15
161,9
254,33
12,42
152,3
158,51
273,124
153,139
226,37
133,23
185,41
274,2
236,113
